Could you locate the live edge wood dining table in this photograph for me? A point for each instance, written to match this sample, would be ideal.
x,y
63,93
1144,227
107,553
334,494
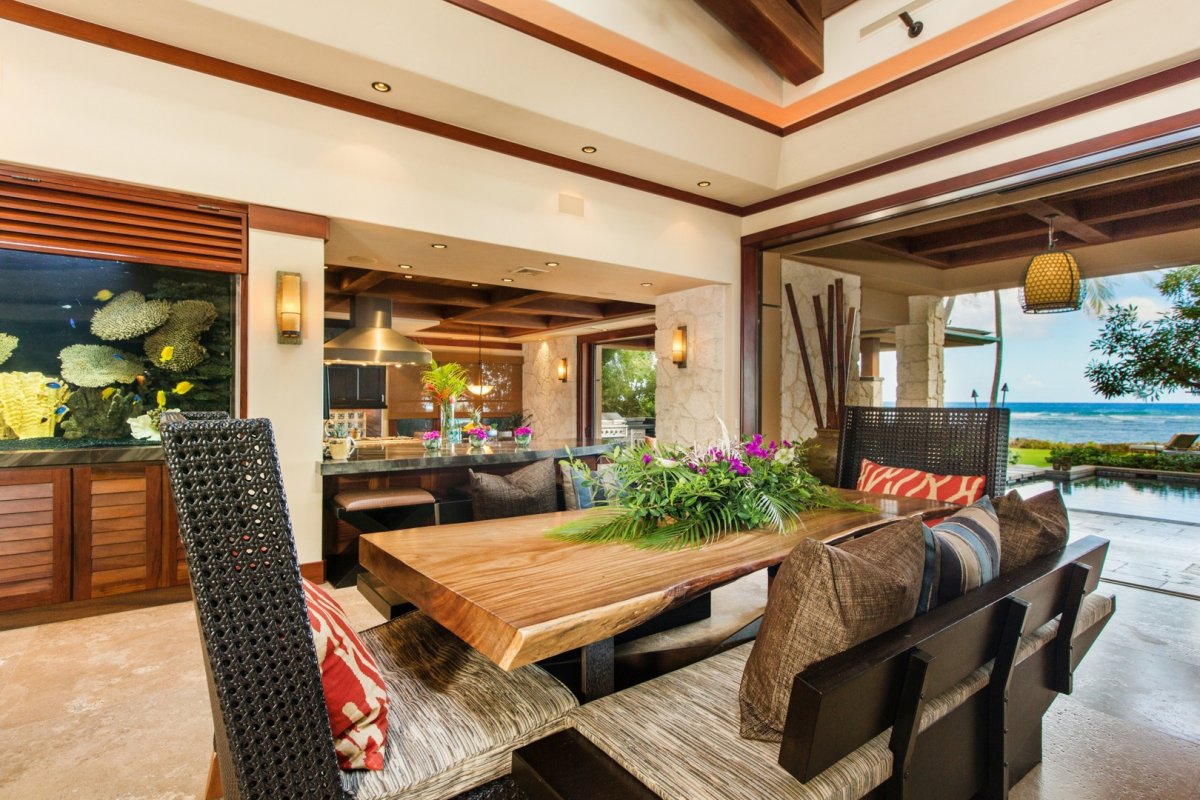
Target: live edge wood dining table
x,y
518,596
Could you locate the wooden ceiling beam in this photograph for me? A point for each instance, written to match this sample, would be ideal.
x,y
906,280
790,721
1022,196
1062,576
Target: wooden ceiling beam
x,y
489,317
564,308
786,38
510,301
365,280
1139,202
1064,220
895,251
1007,229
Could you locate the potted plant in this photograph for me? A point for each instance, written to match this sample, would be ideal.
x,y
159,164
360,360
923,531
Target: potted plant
x,y
446,382
522,435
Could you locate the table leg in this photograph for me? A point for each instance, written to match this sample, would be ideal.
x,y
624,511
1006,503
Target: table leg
x,y
596,662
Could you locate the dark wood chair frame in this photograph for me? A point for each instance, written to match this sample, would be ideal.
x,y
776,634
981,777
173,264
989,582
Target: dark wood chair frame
x,y
948,441
978,750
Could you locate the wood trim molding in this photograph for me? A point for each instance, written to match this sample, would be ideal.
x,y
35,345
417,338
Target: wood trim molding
x,y
313,571
433,341
1058,161
750,324
296,223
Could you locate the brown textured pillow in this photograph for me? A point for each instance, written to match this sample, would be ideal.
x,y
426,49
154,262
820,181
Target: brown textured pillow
x,y
1030,529
529,490
824,600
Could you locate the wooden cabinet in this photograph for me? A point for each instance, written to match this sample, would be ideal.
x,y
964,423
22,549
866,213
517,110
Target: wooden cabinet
x,y
35,537
357,386
118,527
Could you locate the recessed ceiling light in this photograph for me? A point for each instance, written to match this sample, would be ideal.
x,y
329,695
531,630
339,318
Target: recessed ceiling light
x,y
647,284
405,266
506,280
702,184
474,284
588,149
438,246
407,277
551,263
380,86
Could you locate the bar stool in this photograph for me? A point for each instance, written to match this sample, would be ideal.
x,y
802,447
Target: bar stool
x,y
372,511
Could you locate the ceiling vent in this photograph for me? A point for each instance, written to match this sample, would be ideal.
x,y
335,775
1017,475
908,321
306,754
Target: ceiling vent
x,y
529,272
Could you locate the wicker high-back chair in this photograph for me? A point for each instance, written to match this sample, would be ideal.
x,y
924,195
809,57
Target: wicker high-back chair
x,y
271,728
948,441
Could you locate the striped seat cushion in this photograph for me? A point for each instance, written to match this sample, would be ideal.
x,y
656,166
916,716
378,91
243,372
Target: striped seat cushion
x,y
678,734
882,479
455,717
962,552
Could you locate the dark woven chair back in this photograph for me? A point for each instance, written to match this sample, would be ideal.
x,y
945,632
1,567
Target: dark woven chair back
x,y
948,441
272,729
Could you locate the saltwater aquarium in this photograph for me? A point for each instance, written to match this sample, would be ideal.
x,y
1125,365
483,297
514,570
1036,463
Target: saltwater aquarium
x,y
92,351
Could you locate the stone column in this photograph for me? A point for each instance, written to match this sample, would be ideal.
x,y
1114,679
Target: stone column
x,y
920,347
550,401
690,400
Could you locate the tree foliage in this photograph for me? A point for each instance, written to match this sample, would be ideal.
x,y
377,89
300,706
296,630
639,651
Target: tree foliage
x,y
1147,359
627,382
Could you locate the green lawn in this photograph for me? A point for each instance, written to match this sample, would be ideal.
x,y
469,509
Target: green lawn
x,y
1034,458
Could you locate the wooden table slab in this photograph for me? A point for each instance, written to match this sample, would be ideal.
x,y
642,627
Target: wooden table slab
x,y
518,596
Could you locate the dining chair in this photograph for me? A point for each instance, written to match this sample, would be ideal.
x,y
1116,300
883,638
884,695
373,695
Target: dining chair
x,y
454,718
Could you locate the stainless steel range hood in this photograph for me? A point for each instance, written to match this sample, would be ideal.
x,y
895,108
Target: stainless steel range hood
x,y
371,339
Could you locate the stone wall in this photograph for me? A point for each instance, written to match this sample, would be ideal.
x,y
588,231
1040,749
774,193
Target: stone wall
x,y
796,419
689,401
920,354
549,400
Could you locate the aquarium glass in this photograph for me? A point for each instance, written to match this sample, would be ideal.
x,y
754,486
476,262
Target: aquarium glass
x,y
93,351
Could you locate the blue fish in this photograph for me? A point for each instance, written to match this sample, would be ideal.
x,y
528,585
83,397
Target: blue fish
x,y
53,385
72,321
137,398
60,410
118,357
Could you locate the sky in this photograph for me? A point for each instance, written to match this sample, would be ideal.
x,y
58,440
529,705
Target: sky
x,y
1044,354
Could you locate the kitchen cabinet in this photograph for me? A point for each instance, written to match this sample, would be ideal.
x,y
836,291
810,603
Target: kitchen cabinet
x,y
356,386
35,537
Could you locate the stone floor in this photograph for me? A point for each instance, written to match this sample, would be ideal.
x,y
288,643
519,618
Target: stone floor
x,y
116,707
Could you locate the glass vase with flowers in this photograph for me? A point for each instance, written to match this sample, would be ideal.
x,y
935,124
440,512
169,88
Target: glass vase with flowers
x,y
445,383
522,436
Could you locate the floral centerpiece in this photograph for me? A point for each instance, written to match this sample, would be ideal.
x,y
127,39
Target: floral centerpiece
x,y
432,441
446,382
673,497
522,435
477,435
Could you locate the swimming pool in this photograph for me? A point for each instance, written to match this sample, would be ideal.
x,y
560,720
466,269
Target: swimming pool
x,y
1169,500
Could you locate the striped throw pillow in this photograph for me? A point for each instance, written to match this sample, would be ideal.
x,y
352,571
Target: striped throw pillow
x,y
355,694
905,482
961,553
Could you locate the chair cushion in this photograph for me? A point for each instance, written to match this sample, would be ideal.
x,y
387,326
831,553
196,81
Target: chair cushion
x,y
881,479
355,696
824,600
578,493
678,734
456,717
962,553
529,490
368,499
1030,529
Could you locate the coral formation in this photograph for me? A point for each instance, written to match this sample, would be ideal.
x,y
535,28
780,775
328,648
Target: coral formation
x,y
31,403
100,414
129,315
95,365
181,334
147,425
8,343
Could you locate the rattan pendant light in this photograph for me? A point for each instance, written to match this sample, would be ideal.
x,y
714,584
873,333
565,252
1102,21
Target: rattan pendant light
x,y
1052,281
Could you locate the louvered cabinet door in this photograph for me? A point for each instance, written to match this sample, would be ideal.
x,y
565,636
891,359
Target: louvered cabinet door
x,y
35,537
118,529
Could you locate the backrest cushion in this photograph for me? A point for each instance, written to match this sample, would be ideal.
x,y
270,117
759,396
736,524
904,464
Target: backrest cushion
x,y
881,479
962,553
1030,529
529,490
824,600
579,486
355,694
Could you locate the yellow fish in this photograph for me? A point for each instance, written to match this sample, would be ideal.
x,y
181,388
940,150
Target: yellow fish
x,y
162,399
107,393
104,295
167,354
183,387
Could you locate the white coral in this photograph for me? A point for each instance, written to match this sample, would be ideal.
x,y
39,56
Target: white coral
x,y
8,343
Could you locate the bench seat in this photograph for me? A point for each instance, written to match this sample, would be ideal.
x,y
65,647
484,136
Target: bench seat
x,y
374,499
678,734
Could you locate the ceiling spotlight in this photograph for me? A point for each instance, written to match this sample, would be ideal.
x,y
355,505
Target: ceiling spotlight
x,y
589,149
551,263
405,266
438,246
474,284
702,184
506,280
380,86
647,284
407,277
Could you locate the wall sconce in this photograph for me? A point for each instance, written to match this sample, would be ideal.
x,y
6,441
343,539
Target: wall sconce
x,y
679,347
561,370
288,307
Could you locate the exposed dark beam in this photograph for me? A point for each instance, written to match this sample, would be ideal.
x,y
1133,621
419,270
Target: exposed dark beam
x,y
430,341
1063,220
564,308
508,302
502,318
1139,202
783,37
437,294
491,331
369,279
893,249
971,234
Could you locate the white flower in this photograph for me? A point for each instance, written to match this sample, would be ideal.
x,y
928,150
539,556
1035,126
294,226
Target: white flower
x,y
666,462
143,428
785,455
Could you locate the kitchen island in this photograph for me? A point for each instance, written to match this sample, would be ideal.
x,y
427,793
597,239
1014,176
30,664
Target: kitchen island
x,y
375,456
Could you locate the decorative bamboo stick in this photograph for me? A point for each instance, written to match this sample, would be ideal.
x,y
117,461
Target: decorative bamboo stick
x,y
808,373
840,340
824,335
851,332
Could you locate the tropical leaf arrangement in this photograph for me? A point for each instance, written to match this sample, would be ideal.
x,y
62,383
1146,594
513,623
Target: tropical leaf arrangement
x,y
445,381
674,497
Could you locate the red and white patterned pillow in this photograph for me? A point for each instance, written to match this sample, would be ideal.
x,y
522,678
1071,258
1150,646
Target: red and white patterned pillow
x,y
354,690
905,482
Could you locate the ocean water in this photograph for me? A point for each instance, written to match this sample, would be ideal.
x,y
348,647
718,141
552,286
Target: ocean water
x,y
1101,422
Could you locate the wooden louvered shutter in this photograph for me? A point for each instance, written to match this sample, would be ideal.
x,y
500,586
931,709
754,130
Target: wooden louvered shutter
x,y
52,213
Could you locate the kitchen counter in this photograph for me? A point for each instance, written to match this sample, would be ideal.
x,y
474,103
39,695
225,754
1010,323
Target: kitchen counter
x,y
409,455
